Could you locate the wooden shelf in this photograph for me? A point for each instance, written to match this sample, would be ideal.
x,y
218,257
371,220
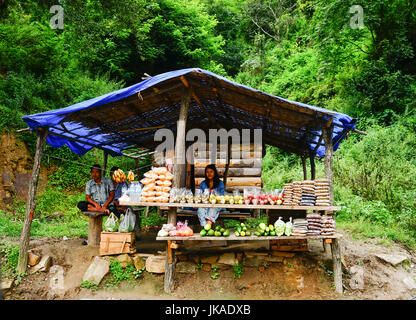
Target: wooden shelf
x,y
196,236
230,206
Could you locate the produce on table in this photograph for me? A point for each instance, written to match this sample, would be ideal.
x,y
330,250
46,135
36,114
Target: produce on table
x,y
156,187
280,227
182,230
289,227
242,231
256,196
218,231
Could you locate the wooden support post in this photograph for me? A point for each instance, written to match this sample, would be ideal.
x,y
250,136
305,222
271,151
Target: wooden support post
x,y
305,174
30,206
312,161
327,134
179,180
227,164
136,167
94,231
104,164
337,264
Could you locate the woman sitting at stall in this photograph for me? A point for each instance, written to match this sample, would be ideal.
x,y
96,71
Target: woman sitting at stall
x,y
212,182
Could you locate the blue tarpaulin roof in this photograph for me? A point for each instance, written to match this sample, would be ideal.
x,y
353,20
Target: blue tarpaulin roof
x,y
115,121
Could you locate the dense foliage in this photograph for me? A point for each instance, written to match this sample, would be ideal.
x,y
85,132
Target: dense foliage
x,y
304,50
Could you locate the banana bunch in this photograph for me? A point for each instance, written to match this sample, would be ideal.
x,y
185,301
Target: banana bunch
x,y
130,176
119,176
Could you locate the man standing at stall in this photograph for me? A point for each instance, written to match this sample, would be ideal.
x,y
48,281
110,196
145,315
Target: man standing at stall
x,y
99,192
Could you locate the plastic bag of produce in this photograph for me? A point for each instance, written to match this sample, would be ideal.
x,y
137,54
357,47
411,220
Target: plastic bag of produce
x,y
183,230
128,222
112,223
289,227
280,227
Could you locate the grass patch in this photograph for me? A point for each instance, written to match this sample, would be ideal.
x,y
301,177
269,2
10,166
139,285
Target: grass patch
x,y
386,235
9,254
12,227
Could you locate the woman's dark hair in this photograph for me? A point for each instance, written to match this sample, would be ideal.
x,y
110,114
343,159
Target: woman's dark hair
x,y
113,169
216,176
96,166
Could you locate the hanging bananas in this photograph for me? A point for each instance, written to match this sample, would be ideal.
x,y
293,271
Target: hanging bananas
x,y
119,176
130,176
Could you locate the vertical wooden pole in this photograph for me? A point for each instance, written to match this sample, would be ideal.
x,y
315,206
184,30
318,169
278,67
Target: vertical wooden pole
x,y
227,164
327,136
104,164
179,180
327,133
136,167
312,162
336,260
305,173
30,206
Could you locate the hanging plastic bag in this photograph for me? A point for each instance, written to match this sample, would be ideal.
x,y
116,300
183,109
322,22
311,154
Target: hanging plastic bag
x,y
289,228
112,223
128,221
280,227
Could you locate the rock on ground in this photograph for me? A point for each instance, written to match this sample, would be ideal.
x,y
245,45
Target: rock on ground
x,y
139,262
6,284
97,270
228,259
394,260
185,267
32,259
210,259
357,278
124,260
156,264
44,265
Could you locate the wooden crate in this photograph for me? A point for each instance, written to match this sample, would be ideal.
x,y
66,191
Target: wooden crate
x,y
289,245
117,243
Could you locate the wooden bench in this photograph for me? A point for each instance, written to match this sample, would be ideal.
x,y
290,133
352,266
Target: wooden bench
x,y
96,225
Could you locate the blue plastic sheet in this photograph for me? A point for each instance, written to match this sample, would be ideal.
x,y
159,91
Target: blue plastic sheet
x,y
53,118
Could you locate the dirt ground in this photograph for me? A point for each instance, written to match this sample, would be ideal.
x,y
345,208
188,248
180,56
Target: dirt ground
x,y
305,276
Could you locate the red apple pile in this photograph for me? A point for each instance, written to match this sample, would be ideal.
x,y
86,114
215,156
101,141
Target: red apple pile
x,y
263,198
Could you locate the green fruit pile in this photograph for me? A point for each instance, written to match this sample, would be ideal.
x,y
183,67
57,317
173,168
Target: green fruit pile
x,y
242,231
264,231
217,232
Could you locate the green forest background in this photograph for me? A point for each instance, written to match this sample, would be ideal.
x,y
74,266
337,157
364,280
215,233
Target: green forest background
x,y
303,50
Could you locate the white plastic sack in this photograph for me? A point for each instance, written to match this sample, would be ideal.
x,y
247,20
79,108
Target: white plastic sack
x,y
128,221
112,223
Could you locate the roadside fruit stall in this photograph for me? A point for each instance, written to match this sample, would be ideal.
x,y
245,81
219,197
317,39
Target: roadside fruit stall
x,y
197,101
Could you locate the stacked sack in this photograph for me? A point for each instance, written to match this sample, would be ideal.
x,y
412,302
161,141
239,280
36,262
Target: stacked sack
x,y
300,227
322,192
287,194
308,193
314,224
297,193
157,184
328,225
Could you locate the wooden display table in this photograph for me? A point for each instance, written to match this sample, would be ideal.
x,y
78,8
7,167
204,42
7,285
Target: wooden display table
x,y
172,241
229,206
196,236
